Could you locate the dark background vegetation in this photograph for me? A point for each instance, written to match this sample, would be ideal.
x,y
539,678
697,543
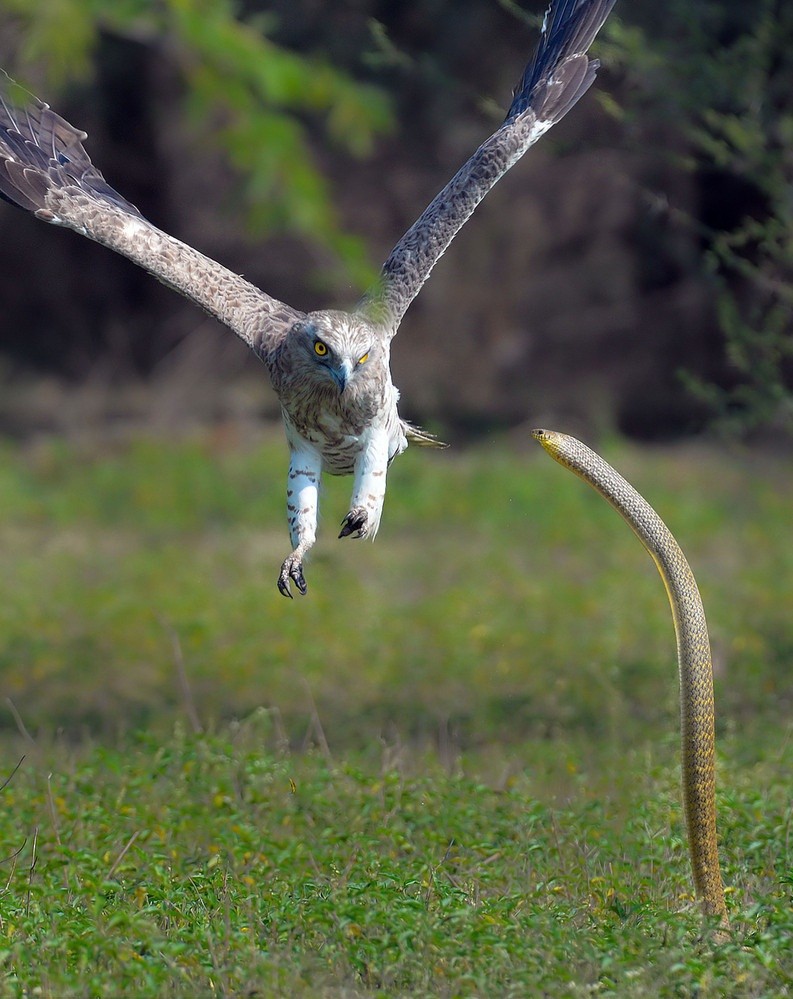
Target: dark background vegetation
x,y
633,272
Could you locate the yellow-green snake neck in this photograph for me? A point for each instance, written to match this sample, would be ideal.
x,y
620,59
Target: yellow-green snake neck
x,y
693,653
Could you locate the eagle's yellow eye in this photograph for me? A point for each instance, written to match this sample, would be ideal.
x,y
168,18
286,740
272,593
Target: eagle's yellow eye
x,y
320,348
364,359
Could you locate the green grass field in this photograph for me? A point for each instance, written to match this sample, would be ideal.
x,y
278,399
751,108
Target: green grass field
x,y
451,770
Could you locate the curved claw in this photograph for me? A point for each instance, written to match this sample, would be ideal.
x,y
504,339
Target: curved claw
x,y
292,569
356,523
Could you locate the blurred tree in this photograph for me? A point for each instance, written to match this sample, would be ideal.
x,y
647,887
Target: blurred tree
x,y
605,295
258,101
718,76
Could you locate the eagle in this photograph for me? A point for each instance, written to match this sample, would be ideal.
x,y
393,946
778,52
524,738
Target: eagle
x,y
330,368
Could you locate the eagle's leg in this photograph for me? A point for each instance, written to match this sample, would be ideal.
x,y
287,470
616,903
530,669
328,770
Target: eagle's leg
x,y
368,491
302,504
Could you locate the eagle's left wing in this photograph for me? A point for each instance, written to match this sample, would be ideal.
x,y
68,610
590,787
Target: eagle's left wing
x,y
559,74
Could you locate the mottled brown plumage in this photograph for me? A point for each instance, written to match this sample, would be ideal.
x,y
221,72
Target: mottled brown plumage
x,y
330,368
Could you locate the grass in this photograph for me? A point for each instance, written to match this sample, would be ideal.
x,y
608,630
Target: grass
x,y
451,770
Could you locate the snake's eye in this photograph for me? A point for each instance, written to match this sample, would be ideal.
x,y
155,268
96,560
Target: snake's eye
x,y
320,348
364,359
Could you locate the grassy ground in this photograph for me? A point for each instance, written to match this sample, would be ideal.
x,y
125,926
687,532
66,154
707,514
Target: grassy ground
x,y
453,770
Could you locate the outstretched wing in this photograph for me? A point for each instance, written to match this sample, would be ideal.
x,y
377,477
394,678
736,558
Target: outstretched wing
x,y
559,74
45,170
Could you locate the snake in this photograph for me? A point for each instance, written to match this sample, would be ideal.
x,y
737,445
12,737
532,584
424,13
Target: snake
x,y
697,712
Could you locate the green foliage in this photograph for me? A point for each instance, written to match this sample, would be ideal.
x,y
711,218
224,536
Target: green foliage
x,y
212,864
260,102
719,77
456,771
753,139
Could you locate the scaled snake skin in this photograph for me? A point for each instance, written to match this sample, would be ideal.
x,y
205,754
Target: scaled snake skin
x,y
693,652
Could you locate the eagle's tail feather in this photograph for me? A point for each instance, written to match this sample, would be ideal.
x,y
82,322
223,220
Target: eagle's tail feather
x,y
419,437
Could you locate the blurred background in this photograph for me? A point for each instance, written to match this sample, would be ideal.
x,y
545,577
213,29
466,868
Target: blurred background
x,y
633,273
629,281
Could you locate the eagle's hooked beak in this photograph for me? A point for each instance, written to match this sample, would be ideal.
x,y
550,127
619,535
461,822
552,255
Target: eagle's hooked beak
x,y
341,375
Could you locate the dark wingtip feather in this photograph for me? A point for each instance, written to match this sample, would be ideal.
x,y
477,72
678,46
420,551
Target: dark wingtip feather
x,y
40,150
561,72
28,186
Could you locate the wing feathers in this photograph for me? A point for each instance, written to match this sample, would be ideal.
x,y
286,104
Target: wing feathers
x,y
45,169
569,28
559,74
570,81
28,186
35,136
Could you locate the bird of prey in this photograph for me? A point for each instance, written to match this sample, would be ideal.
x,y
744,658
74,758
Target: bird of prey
x,y
329,368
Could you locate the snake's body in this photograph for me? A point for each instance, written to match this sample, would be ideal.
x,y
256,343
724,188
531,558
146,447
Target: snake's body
x,y
693,652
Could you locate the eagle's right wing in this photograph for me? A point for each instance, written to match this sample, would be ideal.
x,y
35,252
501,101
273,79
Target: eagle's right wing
x,y
45,170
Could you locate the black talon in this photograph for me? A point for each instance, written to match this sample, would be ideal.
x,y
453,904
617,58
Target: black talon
x,y
290,570
354,521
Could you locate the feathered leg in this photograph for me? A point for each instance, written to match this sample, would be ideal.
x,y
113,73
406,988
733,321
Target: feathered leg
x,y
368,491
302,504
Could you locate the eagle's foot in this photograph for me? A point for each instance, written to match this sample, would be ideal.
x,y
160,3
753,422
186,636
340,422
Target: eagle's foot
x,y
355,524
292,569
